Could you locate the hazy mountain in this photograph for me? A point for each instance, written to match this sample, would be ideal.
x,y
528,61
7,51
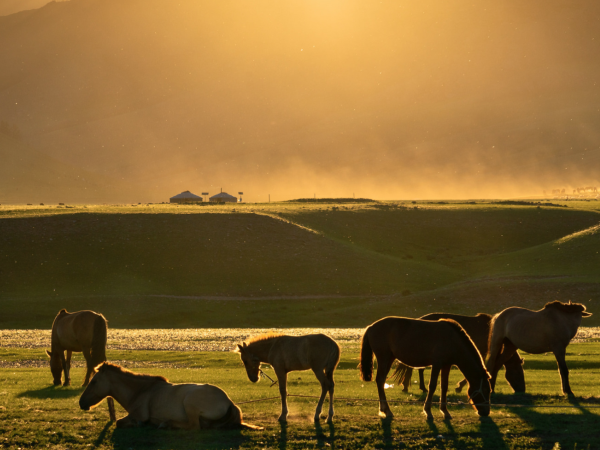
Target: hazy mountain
x,y
12,6
389,100
29,176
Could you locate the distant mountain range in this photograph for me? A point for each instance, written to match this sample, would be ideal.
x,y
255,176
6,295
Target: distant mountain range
x,y
297,98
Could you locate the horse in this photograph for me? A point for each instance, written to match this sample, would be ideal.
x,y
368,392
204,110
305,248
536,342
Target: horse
x,y
82,331
548,330
478,329
317,352
150,399
421,343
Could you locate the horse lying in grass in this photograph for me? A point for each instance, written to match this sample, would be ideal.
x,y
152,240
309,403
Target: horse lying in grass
x,y
547,330
420,343
152,399
82,331
478,329
284,353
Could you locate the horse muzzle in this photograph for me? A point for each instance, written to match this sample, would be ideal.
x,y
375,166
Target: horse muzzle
x,y
84,405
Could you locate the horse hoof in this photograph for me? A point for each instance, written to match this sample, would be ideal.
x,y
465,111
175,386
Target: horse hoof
x,y
385,415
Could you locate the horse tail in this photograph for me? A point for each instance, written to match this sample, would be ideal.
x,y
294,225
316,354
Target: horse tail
x,y
400,372
495,341
233,419
366,358
334,359
99,337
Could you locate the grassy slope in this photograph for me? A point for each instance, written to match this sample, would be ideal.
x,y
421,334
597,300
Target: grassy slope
x,y
35,414
351,271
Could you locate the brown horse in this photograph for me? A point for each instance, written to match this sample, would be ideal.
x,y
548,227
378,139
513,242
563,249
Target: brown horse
x,y
82,331
478,329
421,343
547,330
152,399
284,353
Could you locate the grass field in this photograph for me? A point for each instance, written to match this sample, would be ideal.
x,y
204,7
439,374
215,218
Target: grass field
x,y
293,264
34,414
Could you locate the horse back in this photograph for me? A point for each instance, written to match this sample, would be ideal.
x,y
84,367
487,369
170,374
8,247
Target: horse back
x,y
305,352
78,330
531,331
477,327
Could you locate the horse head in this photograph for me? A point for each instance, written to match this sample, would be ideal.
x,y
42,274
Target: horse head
x,y
98,389
55,366
479,396
251,362
515,375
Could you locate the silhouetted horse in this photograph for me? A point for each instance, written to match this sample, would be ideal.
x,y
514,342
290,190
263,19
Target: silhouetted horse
x,y
284,353
547,330
421,343
152,399
478,329
82,331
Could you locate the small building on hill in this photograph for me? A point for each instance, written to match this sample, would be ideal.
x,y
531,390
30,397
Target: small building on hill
x,y
223,197
186,197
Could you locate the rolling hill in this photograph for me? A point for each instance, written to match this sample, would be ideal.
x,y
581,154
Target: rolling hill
x,y
292,265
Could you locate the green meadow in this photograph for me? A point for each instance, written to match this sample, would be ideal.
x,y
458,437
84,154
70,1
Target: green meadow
x,y
292,264
35,414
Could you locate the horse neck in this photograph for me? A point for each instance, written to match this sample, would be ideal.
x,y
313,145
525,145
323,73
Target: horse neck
x,y
470,366
261,349
125,390
572,323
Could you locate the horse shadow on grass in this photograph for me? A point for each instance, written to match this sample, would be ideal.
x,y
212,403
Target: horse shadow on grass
x,y
322,438
150,438
52,392
571,430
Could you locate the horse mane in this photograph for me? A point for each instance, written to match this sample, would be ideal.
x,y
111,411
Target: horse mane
x,y
263,337
484,315
566,307
467,341
132,375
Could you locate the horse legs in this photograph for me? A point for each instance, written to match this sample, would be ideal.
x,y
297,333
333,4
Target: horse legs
x,y
406,379
460,385
87,354
331,387
384,363
501,354
559,354
444,388
66,363
435,372
422,380
320,374
282,378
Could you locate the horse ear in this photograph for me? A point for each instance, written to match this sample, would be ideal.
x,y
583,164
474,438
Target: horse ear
x,y
49,353
245,345
238,349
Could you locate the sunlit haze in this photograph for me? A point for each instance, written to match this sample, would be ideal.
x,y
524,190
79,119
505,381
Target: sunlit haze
x,y
131,100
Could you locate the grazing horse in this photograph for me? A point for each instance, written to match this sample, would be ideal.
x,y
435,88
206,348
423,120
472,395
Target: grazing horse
x,y
287,353
547,330
82,331
421,343
478,329
152,399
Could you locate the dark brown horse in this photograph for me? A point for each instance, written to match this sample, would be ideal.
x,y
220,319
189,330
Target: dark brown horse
x,y
284,353
478,329
152,399
547,330
82,331
421,343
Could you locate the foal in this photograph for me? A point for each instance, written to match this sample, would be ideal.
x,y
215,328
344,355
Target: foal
x,y
284,353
